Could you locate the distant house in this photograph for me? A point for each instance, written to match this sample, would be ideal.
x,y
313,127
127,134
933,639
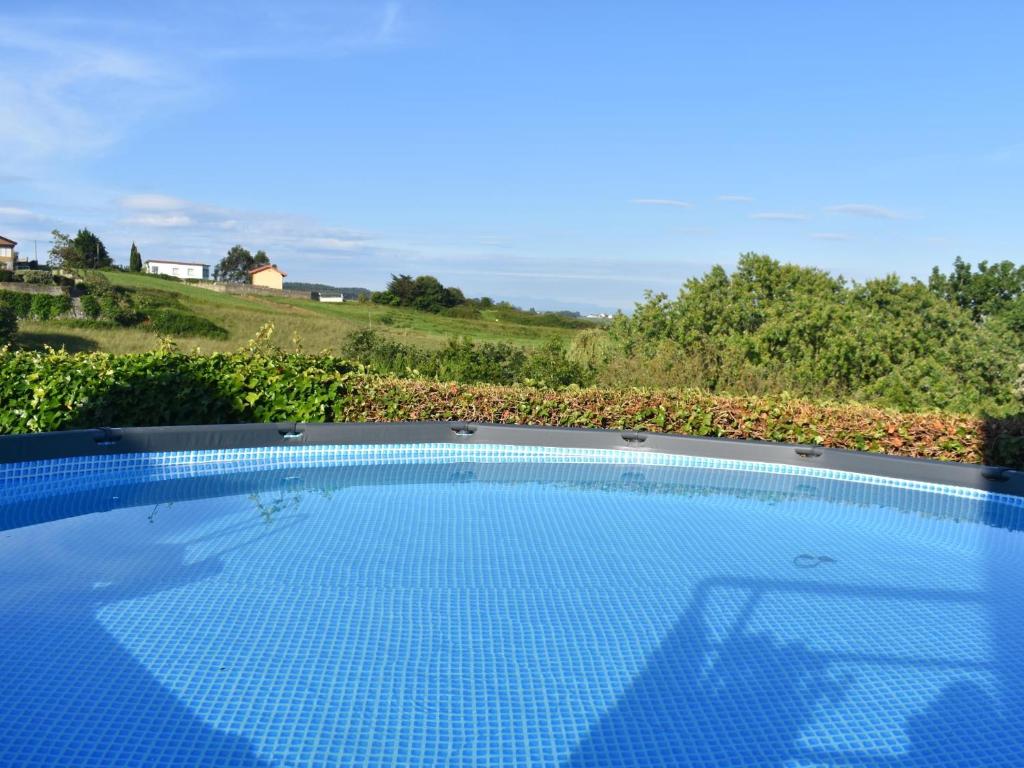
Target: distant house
x,y
268,276
317,296
184,270
8,257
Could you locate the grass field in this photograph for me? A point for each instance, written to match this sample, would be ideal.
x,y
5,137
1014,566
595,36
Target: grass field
x,y
317,326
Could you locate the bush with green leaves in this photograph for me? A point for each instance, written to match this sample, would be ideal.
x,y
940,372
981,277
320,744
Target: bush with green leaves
x,y
174,322
770,328
37,276
157,311
8,325
91,307
35,306
47,307
52,390
466,361
19,303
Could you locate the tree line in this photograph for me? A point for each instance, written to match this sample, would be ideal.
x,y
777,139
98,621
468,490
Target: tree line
x,y
952,342
427,294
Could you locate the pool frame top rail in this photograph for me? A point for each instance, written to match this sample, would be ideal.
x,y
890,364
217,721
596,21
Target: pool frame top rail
x,y
115,440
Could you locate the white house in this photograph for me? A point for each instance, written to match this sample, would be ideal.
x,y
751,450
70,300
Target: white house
x,y
7,254
184,270
317,296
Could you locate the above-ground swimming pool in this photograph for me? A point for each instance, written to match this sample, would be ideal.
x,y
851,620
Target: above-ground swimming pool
x,y
445,604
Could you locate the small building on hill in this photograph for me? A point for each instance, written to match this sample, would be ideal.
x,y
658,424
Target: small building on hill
x,y
268,276
184,270
8,256
317,296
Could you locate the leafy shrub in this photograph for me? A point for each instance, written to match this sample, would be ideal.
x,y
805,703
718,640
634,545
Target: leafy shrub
x,y
465,361
551,366
769,327
91,307
462,360
175,322
19,303
7,276
463,311
8,325
36,276
47,307
44,391
37,306
118,309
51,390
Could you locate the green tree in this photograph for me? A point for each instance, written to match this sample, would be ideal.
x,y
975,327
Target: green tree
x,y
135,260
62,250
403,288
769,327
234,268
88,252
990,291
424,292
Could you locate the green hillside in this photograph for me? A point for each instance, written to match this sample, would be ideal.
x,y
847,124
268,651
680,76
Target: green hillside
x,y
318,326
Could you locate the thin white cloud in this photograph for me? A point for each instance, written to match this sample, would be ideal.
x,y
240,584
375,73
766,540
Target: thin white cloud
x,y
73,97
835,236
151,202
389,22
866,211
778,216
13,212
161,220
551,275
202,231
75,85
735,198
334,243
305,32
662,201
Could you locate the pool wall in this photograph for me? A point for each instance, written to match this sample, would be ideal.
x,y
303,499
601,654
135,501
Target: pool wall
x,y
109,441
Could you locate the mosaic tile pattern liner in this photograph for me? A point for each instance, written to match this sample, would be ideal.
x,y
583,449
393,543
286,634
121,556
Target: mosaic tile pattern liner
x,y
24,479
489,606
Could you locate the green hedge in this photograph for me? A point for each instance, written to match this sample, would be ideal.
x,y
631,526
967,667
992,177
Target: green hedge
x,y
174,322
35,306
8,324
42,391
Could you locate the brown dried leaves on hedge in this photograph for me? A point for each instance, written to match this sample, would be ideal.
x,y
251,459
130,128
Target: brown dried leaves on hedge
x,y
42,391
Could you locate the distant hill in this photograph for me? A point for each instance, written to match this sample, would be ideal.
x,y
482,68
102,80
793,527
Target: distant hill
x,y
317,326
350,294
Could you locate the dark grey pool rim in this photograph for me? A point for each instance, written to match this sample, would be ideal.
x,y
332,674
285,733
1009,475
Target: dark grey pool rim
x,y
103,441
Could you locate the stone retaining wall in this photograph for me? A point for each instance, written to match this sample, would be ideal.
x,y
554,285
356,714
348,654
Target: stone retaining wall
x,y
240,289
52,290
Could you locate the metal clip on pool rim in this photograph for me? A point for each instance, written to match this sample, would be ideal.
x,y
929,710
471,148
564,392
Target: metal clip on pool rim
x,y
290,434
633,438
999,474
807,452
108,436
462,429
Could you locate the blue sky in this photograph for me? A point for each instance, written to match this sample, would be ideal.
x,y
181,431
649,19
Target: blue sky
x,y
558,154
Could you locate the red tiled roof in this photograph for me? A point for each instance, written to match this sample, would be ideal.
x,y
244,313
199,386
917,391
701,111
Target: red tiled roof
x,y
265,267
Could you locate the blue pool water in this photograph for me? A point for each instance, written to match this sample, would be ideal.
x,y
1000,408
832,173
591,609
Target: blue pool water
x,y
481,605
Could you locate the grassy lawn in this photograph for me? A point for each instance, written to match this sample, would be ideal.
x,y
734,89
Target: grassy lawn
x,y
318,326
